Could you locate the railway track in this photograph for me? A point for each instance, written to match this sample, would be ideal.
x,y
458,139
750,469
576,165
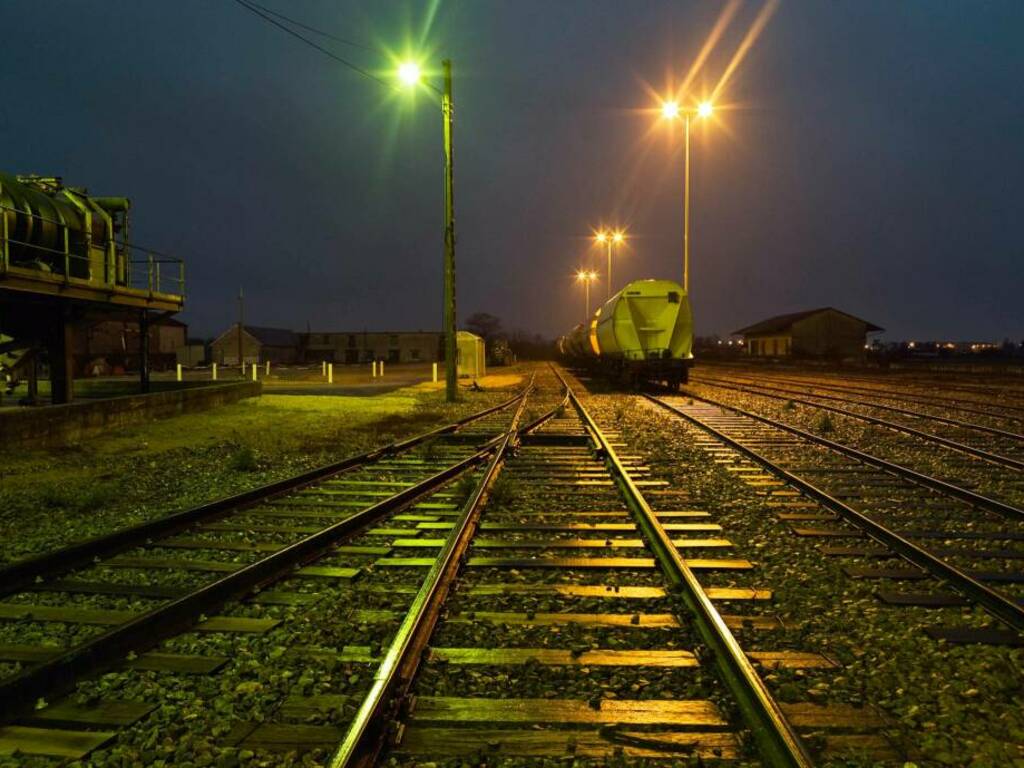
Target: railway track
x,y
555,640
998,447
883,516
1001,411
115,597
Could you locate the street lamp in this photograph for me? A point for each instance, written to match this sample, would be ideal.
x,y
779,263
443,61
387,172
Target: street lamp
x,y
585,277
409,73
610,238
670,110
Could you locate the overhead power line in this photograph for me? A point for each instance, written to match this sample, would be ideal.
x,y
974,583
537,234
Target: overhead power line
x,y
314,30
252,8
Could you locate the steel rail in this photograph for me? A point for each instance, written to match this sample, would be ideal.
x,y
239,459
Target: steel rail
x,y
776,739
381,706
950,489
59,674
1007,611
23,573
913,397
992,458
868,404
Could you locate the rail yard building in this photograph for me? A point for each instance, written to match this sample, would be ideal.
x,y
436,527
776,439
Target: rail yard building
x,y
112,346
259,345
351,347
824,332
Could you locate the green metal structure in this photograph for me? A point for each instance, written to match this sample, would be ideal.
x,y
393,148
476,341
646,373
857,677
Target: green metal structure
x,y
65,260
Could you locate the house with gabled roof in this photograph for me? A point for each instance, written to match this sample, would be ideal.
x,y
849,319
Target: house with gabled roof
x,y
823,332
259,345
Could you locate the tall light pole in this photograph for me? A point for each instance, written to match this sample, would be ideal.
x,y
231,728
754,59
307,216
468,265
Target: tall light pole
x,y
586,278
671,110
609,239
410,74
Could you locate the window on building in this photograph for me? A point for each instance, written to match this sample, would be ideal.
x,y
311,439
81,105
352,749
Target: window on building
x,y
352,340
393,340
394,355
414,354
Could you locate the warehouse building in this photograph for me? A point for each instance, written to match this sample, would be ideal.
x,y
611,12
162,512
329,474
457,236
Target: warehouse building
x,y
259,345
824,332
350,347
113,346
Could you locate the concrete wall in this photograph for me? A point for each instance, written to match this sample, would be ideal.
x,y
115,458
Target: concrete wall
x,y
62,424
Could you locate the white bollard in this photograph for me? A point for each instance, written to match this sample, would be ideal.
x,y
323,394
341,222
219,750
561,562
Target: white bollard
x,y
381,370
214,371
323,371
435,373
330,373
268,367
179,371
254,371
243,369
374,364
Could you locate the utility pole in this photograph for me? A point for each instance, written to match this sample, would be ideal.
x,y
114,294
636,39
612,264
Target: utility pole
x,y
686,214
241,325
450,345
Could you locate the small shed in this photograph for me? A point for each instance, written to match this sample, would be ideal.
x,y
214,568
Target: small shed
x,y
824,332
259,344
472,356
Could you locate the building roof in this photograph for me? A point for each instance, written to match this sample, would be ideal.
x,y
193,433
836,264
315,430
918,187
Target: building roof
x,y
271,337
785,322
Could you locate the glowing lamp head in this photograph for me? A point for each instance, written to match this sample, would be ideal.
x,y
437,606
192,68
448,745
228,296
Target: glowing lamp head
x,y
618,237
601,237
705,109
409,72
670,109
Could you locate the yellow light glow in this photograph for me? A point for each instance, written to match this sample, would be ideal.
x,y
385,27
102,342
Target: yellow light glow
x,y
705,109
409,72
670,109
618,237
601,237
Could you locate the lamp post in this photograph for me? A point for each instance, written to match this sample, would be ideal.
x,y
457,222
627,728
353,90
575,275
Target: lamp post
x,y
609,239
586,278
410,74
671,110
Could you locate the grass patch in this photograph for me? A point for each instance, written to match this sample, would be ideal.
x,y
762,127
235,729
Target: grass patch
x,y
243,460
824,424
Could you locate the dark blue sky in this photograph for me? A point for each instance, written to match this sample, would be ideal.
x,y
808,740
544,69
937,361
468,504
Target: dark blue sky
x,y
872,155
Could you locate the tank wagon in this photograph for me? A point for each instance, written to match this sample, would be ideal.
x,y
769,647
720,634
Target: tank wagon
x,y
642,333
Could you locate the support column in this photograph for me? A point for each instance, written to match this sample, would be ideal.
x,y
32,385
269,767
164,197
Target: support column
x,y
33,377
62,368
144,352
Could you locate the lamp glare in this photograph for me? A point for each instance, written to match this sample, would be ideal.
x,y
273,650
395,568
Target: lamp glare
x,y
409,72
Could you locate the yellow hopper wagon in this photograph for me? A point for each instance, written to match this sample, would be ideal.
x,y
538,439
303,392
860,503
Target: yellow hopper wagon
x,y
642,333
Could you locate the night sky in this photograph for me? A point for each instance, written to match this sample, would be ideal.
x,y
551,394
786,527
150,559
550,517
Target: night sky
x,y
866,155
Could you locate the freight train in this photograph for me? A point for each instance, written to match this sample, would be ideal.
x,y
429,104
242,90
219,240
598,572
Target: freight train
x,y
644,333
